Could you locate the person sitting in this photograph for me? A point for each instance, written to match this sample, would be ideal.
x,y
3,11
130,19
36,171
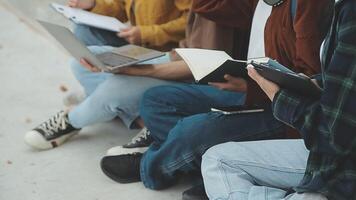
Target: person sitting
x,y
157,24
179,117
322,164
112,95
154,24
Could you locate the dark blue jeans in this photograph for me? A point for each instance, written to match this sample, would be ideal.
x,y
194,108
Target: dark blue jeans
x,y
183,128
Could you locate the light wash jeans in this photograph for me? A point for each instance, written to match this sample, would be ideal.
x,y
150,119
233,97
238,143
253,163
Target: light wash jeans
x,y
110,95
260,170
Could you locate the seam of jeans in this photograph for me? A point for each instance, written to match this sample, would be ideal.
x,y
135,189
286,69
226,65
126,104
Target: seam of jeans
x,y
167,168
226,181
184,159
268,167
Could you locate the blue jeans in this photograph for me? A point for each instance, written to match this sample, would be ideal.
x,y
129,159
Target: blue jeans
x,y
110,95
91,36
183,128
260,170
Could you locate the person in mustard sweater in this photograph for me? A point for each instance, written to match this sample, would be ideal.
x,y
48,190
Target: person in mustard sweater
x,y
158,24
155,23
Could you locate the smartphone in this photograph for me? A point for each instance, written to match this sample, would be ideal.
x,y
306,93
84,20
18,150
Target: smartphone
x,y
231,110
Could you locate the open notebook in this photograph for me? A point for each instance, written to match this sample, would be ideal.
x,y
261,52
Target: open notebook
x,y
79,16
211,66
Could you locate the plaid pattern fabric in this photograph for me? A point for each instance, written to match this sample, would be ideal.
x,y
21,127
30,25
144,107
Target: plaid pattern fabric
x,y
328,124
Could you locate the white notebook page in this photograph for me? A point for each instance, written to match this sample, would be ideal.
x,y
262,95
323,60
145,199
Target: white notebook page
x,y
91,19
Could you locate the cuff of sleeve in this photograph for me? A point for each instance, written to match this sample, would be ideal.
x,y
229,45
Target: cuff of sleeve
x,y
147,36
99,7
284,107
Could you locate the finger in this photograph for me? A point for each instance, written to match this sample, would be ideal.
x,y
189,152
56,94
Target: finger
x,y
253,73
86,63
124,34
234,79
73,3
220,86
303,75
89,66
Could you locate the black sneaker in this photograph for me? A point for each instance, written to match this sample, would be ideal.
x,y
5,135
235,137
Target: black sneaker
x,y
195,193
139,143
122,168
51,133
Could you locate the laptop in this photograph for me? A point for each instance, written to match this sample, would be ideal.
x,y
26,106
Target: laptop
x,y
109,61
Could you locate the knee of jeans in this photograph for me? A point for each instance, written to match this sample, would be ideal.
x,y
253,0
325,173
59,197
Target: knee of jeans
x,y
164,95
217,152
150,100
209,159
106,101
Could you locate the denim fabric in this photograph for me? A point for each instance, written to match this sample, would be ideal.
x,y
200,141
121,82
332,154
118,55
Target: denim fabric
x,y
109,95
91,36
260,170
183,128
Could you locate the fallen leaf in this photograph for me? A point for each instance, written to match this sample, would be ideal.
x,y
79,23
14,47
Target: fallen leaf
x,y
63,88
28,120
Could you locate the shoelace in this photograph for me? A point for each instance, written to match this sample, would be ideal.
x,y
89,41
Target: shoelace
x,y
141,136
57,122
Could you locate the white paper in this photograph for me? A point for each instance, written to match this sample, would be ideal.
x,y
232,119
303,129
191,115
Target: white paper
x,y
79,16
202,61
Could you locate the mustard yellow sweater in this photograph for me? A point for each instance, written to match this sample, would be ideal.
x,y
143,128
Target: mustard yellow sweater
x,y
160,21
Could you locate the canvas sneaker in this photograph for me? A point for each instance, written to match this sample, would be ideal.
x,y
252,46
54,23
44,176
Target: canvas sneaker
x,y
139,143
51,133
122,168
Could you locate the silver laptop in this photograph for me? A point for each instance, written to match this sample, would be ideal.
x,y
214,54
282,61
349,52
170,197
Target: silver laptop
x,y
110,61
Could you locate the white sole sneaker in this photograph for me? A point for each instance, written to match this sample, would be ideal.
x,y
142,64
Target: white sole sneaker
x,y
120,150
37,141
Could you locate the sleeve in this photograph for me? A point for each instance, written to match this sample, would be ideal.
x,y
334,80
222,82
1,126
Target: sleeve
x,y
112,8
172,31
328,124
311,27
232,13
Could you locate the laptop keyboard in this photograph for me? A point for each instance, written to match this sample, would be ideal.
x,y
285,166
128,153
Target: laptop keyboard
x,y
112,59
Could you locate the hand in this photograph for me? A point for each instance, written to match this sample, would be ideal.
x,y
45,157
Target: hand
x,y
233,84
312,80
89,66
82,4
267,86
173,55
132,35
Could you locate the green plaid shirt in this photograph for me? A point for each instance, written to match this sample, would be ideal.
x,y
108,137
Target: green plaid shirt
x,y
328,124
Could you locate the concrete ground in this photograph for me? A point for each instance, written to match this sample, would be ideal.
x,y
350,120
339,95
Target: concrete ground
x,y
32,70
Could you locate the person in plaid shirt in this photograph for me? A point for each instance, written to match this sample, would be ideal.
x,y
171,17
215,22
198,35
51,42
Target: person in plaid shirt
x,y
323,164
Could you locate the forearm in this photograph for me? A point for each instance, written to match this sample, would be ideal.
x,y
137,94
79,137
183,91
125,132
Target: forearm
x,y
174,71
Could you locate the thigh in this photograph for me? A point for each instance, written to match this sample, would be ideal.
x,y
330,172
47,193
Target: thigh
x,y
274,163
94,36
189,99
212,128
217,97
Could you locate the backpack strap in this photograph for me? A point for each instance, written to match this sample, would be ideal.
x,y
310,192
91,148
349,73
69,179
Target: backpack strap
x,y
293,8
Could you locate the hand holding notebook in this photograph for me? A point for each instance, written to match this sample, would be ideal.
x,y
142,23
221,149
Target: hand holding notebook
x,y
80,16
211,66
